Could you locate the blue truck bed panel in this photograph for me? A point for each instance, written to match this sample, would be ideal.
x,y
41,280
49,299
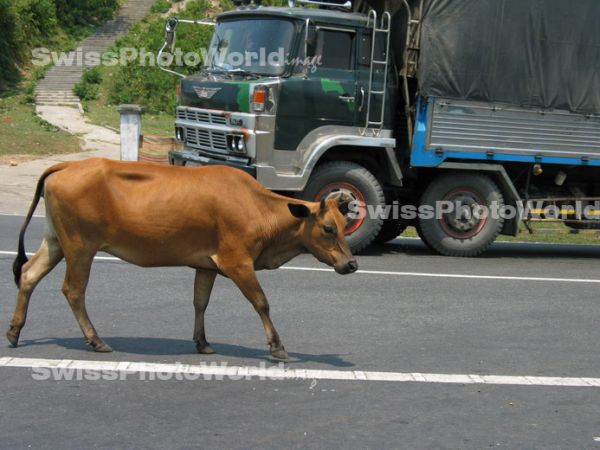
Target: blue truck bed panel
x,y
468,130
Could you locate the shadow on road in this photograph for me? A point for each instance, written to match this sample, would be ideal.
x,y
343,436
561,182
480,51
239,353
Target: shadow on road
x,y
166,346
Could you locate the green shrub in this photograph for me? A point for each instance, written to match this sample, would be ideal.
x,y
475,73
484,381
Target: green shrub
x,y
78,17
86,91
10,52
149,86
36,22
161,6
92,76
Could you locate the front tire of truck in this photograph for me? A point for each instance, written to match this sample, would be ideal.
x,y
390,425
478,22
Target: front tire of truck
x,y
468,230
360,184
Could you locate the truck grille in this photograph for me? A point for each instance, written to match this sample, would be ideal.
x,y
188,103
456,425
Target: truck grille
x,y
200,116
206,139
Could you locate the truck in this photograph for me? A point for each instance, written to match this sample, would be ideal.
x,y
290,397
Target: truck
x,y
452,116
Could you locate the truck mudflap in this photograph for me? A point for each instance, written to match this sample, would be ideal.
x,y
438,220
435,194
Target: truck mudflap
x,y
187,158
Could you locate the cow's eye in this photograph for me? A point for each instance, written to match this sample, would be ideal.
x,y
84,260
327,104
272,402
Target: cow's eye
x,y
328,229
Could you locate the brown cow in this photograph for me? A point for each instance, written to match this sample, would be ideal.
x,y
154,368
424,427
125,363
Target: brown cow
x,y
214,219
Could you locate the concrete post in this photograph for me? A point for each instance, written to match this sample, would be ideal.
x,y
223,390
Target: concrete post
x,y
131,131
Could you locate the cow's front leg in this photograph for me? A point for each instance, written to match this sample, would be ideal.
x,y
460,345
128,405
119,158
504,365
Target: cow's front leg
x,y
244,277
203,284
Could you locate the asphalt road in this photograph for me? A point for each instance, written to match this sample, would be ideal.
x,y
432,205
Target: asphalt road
x,y
404,312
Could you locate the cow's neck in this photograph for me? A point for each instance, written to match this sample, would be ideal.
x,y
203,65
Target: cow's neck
x,y
281,243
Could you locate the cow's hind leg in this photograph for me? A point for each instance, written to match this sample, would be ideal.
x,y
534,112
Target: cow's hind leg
x,y
244,277
76,279
45,259
203,284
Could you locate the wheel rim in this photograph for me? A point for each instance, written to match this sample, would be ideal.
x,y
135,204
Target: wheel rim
x,y
333,188
458,223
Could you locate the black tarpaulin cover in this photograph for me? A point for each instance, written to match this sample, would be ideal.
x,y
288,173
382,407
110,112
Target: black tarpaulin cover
x,y
533,53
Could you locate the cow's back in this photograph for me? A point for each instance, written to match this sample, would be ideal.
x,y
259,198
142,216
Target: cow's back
x,y
153,214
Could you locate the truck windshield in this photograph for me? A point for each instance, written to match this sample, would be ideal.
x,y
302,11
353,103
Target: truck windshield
x,y
256,46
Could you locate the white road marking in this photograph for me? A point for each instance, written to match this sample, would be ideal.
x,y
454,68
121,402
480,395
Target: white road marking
x,y
453,275
279,372
400,274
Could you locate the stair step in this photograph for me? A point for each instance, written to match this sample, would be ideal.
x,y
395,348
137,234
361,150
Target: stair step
x,y
73,104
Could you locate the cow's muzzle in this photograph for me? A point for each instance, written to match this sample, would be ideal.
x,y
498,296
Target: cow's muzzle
x,y
350,267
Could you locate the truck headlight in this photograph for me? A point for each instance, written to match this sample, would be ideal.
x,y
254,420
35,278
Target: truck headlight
x,y
236,143
241,145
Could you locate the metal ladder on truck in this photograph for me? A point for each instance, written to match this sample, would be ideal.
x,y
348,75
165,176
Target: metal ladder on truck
x,y
376,113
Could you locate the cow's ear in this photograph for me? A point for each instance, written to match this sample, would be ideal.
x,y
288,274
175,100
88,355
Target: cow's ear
x,y
298,210
323,205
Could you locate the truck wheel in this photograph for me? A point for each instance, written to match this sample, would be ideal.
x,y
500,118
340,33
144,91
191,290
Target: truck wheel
x,y
391,229
460,232
361,185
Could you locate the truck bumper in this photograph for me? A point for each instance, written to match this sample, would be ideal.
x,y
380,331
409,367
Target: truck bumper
x,y
196,158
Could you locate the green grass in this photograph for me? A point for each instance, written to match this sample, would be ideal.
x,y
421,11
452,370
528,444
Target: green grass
x,y
23,133
546,232
555,233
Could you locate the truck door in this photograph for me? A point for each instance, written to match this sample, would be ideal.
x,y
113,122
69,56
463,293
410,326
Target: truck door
x,y
327,96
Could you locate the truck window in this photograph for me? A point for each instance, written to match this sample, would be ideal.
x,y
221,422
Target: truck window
x,y
335,49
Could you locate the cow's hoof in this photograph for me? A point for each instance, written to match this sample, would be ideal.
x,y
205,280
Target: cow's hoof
x,y
12,339
204,349
102,347
279,353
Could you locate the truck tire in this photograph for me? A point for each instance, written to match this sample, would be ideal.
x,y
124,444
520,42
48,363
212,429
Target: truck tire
x,y
456,234
354,179
391,229
420,234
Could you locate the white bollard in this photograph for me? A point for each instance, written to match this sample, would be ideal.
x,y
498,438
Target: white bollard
x,y
131,131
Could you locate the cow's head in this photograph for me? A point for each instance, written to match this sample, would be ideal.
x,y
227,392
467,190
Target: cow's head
x,y
323,231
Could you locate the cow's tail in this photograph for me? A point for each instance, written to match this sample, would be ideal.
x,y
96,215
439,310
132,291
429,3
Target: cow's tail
x,y
21,258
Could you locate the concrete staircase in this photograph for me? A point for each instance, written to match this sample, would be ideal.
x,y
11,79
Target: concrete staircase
x,y
56,88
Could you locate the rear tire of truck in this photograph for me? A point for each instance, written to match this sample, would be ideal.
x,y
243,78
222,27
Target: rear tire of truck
x,y
360,184
420,234
460,233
